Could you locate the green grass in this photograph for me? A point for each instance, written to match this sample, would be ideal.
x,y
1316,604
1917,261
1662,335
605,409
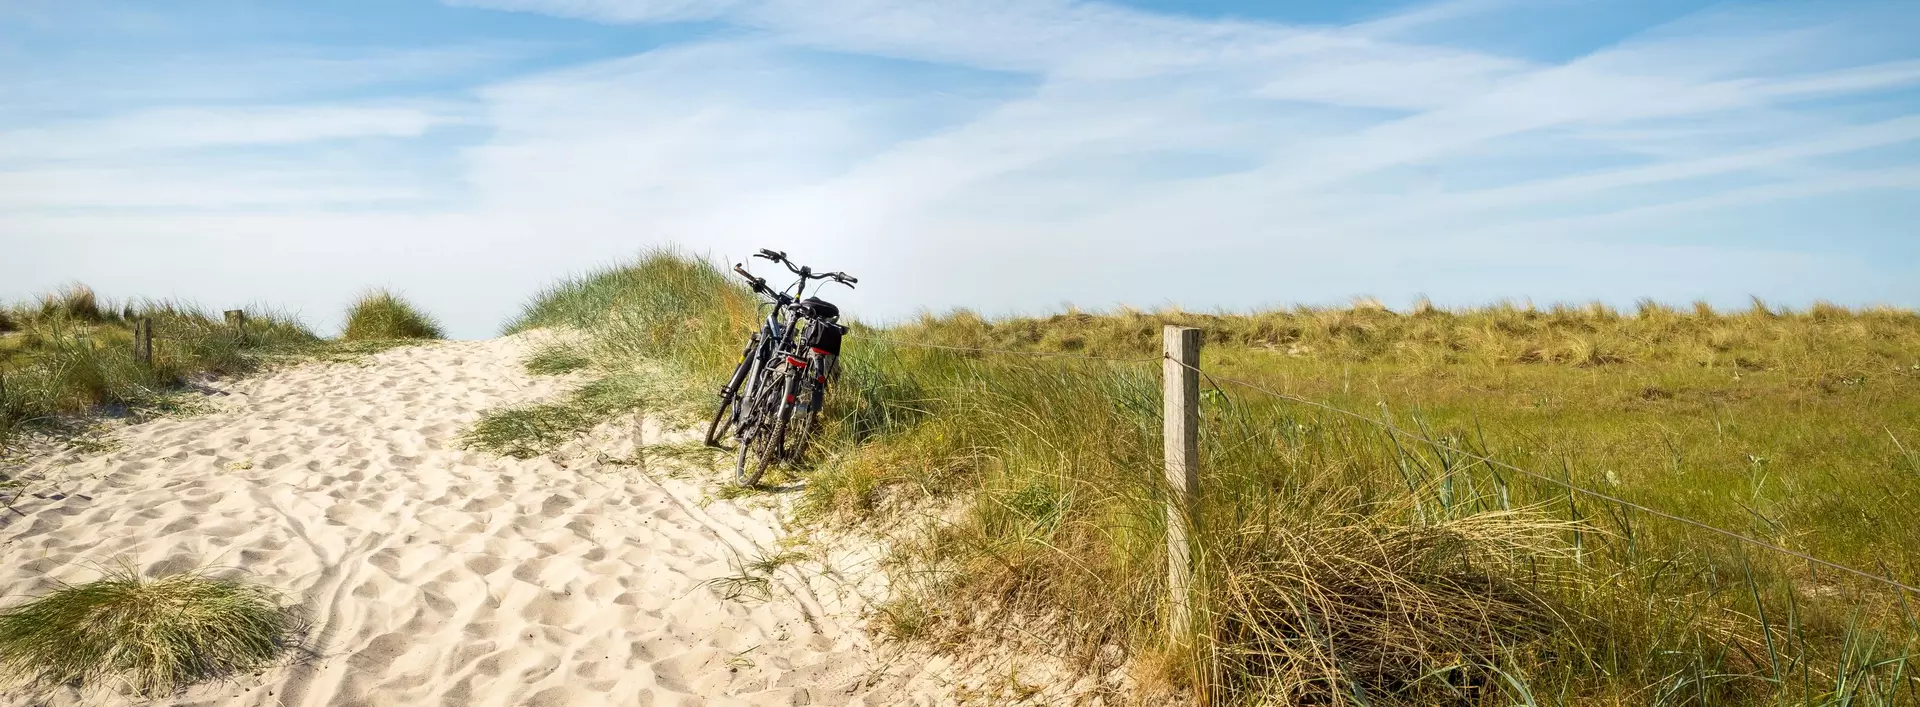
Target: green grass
x,y
556,359
154,635
380,315
1340,562
528,431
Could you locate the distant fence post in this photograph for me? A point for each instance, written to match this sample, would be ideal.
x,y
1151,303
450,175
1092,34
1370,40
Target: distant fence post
x,y
1180,400
237,321
143,340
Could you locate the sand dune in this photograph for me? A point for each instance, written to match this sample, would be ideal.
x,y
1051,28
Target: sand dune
x,y
439,576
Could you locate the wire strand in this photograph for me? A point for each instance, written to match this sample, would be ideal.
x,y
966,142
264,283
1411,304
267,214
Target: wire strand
x,y
1563,484
1036,354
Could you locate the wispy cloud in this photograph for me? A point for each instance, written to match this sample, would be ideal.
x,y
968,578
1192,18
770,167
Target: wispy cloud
x,y
187,128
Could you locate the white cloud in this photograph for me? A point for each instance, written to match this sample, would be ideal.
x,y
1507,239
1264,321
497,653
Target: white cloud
x,y
186,128
178,187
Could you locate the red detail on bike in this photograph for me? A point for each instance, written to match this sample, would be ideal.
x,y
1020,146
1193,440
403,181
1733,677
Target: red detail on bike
x,y
821,351
796,363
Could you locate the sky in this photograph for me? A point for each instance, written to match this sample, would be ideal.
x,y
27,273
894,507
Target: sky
x,y
1009,156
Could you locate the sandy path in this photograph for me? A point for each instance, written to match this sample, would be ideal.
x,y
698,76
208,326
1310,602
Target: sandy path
x,y
439,576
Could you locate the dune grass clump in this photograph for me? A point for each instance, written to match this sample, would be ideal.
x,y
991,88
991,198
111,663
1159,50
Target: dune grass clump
x,y
379,315
1334,608
75,301
155,635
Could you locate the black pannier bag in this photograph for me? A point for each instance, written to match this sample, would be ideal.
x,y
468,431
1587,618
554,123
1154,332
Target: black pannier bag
x,y
823,336
823,339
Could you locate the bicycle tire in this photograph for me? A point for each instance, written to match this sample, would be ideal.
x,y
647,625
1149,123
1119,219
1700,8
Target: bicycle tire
x,y
728,394
808,422
759,449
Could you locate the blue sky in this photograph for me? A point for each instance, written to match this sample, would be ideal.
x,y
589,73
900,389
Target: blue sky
x,y
1005,155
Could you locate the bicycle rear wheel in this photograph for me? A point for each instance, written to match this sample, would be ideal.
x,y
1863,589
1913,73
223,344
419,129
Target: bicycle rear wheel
x,y
806,420
765,430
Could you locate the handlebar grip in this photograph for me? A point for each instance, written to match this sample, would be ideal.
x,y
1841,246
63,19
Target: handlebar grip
x,y
757,283
773,255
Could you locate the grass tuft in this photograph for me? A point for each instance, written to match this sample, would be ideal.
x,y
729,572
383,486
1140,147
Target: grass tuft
x,y
528,431
379,315
156,636
75,301
556,360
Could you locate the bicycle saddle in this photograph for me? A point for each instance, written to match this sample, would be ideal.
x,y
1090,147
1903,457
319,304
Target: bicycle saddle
x,y
819,308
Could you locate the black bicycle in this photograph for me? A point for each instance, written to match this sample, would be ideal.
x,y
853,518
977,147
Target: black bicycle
x,y
778,376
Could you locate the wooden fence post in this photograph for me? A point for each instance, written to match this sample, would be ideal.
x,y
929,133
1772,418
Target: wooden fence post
x,y
1180,400
237,321
143,340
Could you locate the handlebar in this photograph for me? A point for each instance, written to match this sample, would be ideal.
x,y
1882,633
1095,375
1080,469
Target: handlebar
x,y
805,273
759,285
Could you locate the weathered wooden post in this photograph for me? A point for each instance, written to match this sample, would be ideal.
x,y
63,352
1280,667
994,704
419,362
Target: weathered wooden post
x,y
237,321
1180,400
143,340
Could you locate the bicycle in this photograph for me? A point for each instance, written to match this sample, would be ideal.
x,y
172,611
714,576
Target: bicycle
x,y
774,378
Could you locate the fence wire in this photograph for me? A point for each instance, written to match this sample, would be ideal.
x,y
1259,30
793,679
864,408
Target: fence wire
x,y
1035,354
1383,424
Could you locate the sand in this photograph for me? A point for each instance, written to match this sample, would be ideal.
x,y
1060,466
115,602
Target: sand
x,y
434,575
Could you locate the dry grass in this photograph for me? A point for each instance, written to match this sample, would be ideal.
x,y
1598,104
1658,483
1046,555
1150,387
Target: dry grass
x,y
1331,609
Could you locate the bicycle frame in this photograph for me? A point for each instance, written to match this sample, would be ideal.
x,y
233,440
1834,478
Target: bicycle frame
x,y
776,335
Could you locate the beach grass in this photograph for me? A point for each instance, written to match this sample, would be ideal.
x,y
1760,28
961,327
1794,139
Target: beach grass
x,y
381,315
154,636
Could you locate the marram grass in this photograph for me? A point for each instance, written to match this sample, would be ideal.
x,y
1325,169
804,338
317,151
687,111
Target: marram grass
x,y
379,315
153,635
